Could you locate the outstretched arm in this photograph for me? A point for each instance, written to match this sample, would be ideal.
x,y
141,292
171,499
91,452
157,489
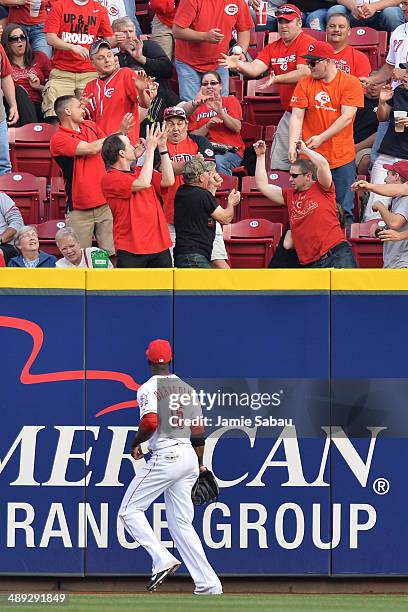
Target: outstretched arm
x,y
272,192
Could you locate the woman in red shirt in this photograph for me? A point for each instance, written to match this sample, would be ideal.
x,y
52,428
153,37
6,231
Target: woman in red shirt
x,y
219,119
30,69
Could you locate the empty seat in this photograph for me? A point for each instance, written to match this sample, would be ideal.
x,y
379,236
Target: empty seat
x,y
370,42
255,205
367,250
251,243
28,193
57,198
256,43
317,34
30,149
262,107
46,234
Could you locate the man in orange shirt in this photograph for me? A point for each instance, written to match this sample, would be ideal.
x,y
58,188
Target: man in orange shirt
x,y
287,66
323,110
347,58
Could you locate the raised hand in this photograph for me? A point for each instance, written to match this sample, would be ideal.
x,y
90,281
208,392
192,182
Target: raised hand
x,y
260,147
386,93
229,61
152,136
234,197
162,136
128,122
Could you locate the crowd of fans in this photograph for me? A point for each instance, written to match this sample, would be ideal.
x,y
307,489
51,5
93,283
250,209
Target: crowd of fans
x,y
142,162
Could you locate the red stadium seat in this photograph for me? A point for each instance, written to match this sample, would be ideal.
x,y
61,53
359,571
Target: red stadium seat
x,y
143,15
28,193
250,134
254,205
256,43
368,251
358,209
270,132
251,243
236,87
317,34
228,183
30,149
370,42
46,234
262,107
57,198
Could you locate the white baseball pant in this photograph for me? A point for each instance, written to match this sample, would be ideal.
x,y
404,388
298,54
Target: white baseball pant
x,y
172,471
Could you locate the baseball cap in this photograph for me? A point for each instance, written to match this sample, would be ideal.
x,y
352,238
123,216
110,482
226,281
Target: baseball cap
x,y
159,351
101,42
195,167
288,12
319,50
175,111
401,167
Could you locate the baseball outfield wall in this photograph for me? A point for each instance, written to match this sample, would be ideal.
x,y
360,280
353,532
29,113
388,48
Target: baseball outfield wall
x,y
303,381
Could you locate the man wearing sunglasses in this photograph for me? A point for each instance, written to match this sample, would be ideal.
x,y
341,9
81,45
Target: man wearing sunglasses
x,y
324,105
315,228
284,59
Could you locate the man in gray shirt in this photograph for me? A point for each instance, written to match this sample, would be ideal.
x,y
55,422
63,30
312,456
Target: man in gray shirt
x,y
395,236
10,222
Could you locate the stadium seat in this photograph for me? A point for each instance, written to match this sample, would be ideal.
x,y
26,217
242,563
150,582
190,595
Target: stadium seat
x,y
368,251
370,42
317,34
262,107
228,183
27,191
359,196
57,198
256,43
236,87
46,234
270,132
143,15
30,149
251,243
2,262
250,134
254,205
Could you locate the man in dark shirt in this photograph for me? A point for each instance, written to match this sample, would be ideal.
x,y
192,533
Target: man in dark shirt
x,y
195,212
365,126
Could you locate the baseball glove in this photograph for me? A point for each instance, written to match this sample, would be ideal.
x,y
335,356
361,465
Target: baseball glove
x,y
205,489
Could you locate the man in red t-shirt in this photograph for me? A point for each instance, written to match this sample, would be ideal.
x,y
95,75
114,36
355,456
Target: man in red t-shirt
x,y
283,58
315,228
115,92
71,28
347,58
140,231
203,31
76,147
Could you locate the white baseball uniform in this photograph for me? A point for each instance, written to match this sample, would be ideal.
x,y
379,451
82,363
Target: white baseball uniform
x,y
172,470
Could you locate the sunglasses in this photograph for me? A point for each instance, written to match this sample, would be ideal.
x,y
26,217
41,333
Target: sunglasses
x,y
285,11
296,174
212,83
17,38
312,63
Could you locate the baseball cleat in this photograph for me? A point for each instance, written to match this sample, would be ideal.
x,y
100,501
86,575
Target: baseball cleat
x,y
157,579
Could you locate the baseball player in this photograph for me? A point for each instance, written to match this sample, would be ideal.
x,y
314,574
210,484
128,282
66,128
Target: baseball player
x,y
176,461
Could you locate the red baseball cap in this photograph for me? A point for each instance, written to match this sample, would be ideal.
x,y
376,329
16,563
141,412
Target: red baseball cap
x,y
400,167
319,50
288,12
159,351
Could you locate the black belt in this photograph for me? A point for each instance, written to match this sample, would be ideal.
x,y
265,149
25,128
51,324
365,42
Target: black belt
x,y
329,253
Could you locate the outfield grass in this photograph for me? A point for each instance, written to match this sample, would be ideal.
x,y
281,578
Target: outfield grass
x,y
226,603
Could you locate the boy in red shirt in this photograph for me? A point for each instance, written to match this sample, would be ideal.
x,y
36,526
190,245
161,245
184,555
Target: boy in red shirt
x,y
317,236
71,28
140,231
